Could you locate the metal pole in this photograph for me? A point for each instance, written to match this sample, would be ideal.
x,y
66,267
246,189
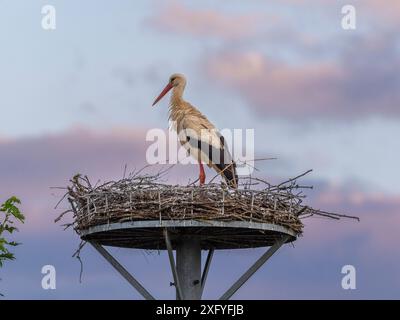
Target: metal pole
x,y
236,286
206,269
179,295
122,271
188,264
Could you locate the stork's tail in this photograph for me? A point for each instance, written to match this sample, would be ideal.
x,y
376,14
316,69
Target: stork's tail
x,y
228,172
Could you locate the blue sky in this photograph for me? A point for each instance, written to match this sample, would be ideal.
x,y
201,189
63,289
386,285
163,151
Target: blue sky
x,y
317,96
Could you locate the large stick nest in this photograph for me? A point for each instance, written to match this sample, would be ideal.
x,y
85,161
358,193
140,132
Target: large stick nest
x,y
145,197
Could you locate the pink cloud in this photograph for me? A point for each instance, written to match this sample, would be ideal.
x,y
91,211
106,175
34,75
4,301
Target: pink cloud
x,y
272,87
355,84
374,8
382,10
379,215
29,167
181,19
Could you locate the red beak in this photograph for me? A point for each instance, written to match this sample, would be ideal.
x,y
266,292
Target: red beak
x,y
163,93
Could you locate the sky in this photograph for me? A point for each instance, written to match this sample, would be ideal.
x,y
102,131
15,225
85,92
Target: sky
x,y
77,99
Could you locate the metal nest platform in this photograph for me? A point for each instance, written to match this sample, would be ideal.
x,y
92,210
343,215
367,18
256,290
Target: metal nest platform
x,y
188,238
149,234
139,212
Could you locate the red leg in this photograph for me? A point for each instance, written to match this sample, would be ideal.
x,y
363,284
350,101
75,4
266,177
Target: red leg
x,y
202,176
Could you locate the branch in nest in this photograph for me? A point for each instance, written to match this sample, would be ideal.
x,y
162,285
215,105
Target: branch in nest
x,y
143,197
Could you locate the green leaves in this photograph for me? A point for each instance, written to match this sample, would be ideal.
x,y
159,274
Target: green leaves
x,y
11,213
8,228
10,208
4,253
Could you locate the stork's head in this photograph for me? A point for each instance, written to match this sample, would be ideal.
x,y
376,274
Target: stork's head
x,y
176,80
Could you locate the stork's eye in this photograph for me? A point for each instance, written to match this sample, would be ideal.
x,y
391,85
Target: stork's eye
x,y
173,79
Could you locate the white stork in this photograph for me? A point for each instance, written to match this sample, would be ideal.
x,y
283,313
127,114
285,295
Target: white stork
x,y
197,134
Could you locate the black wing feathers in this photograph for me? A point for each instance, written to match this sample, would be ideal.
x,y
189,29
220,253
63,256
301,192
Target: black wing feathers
x,y
219,158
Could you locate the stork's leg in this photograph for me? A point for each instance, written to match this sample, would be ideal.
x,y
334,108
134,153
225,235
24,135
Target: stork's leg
x,y
202,176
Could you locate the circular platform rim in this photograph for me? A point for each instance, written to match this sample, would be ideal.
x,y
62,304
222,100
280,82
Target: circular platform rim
x,y
187,223
179,224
